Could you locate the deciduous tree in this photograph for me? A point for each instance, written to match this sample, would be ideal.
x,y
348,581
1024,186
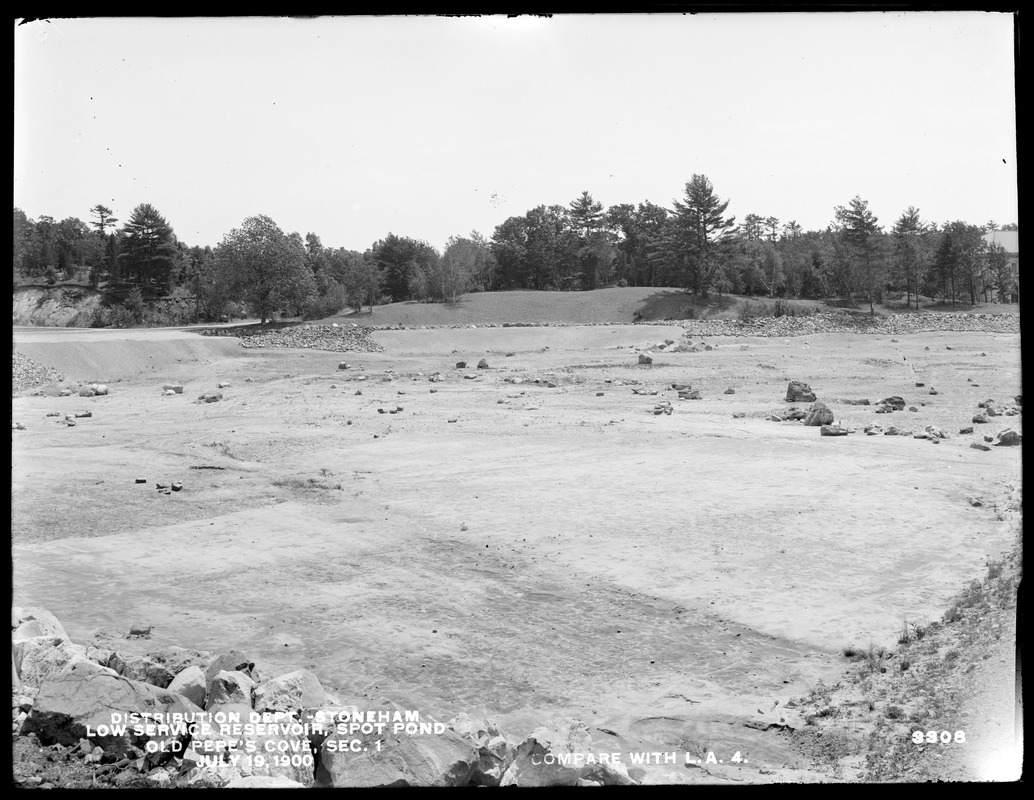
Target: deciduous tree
x,y
258,264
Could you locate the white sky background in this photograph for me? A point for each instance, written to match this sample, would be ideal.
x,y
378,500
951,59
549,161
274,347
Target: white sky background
x,y
426,127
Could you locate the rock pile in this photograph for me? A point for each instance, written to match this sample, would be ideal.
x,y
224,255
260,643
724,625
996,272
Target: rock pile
x,y
185,718
339,339
846,322
27,373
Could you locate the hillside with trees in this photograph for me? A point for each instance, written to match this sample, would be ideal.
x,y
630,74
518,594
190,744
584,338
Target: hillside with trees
x,y
145,275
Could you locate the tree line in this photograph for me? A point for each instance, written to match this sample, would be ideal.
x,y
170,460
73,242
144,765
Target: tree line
x,y
694,245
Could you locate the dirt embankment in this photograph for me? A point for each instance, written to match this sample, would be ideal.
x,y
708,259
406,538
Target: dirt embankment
x,y
53,306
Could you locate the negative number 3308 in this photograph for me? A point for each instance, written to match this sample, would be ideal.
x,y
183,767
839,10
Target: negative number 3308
x,y
944,737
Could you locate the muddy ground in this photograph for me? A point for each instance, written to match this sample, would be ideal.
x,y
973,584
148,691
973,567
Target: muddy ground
x,y
506,548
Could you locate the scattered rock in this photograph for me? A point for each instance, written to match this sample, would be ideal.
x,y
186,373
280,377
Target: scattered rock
x,y
225,385
980,418
873,429
895,403
176,486
739,414
174,388
137,629
798,392
968,429
483,364
833,430
343,365
645,359
210,397
436,377
978,446
729,391
935,432
975,501
461,365
819,415
1008,438
83,414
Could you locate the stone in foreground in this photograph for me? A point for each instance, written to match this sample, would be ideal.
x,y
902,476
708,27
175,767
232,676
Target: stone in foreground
x,y
561,754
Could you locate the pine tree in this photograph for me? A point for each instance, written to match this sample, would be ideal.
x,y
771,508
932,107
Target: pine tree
x,y
700,234
148,247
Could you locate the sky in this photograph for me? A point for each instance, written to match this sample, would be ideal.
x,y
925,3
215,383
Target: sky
x,y
431,127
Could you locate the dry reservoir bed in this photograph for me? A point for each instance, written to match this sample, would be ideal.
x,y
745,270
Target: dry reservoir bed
x,y
517,544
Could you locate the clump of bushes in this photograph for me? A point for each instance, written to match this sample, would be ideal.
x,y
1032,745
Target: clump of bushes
x,y
326,305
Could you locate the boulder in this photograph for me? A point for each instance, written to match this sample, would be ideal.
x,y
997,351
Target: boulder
x,y
537,760
190,683
280,735
799,392
896,403
68,704
873,430
231,661
935,432
461,365
730,391
342,365
436,377
482,364
27,623
832,430
146,670
978,446
41,658
980,419
86,391
99,389
645,359
794,413
818,415
427,760
291,692
968,429
495,752
1008,438
230,687
892,431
